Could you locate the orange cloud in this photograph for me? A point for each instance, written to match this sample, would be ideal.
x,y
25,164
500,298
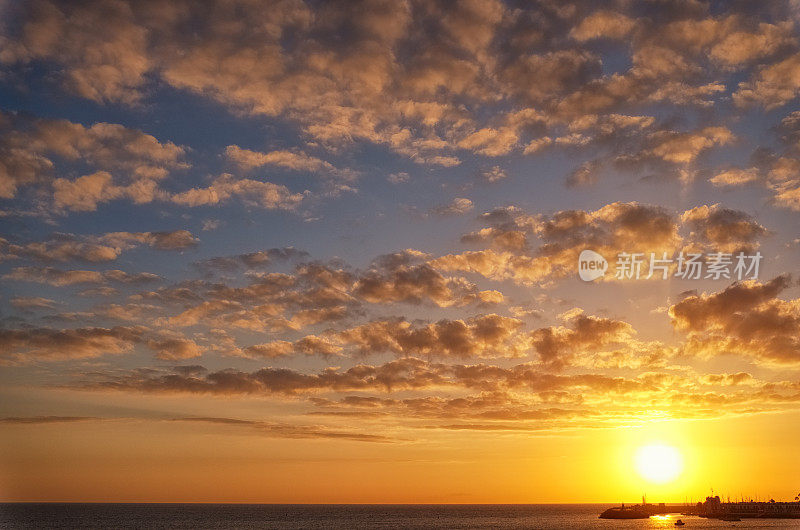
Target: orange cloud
x,y
745,319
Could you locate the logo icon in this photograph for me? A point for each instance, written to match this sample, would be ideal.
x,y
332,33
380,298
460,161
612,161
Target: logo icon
x,y
591,265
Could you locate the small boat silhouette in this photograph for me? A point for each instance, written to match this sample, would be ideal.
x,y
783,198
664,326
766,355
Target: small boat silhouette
x,y
679,523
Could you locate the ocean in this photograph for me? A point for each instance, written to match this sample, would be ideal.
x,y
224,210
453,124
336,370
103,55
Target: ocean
x,y
327,516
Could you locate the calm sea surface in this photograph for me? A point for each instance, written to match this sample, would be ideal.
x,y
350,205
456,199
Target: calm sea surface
x,y
124,516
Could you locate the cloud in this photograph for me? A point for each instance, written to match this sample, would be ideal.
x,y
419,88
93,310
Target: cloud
x,y
745,319
489,141
509,229
684,148
784,182
398,178
43,420
251,260
494,174
60,278
85,193
457,206
250,192
308,345
313,293
477,337
614,228
585,175
483,336
103,291
774,85
173,348
729,40
539,77
737,45
678,56
263,428
533,249
211,224
392,105
53,344
400,277
129,163
127,312
486,393
171,240
425,85
735,177
520,393
296,161
423,81
603,24
95,248
558,344
721,229
394,375
789,129
289,430
63,33
697,312
63,247
268,301
36,302
537,145
436,86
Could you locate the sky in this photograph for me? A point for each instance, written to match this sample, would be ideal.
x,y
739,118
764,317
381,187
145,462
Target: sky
x,y
329,252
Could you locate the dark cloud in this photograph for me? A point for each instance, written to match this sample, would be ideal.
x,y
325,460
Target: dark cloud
x,y
721,229
402,277
39,420
745,319
585,175
251,260
95,248
33,343
614,228
31,302
482,336
396,375
557,345
60,278
263,428
457,206
289,430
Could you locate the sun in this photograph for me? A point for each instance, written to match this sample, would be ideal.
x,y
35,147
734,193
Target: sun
x,y
658,463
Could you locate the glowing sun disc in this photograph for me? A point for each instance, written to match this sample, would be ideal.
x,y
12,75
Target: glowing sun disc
x,y
658,463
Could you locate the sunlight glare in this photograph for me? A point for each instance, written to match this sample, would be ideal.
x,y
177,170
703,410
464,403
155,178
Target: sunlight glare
x,y
658,463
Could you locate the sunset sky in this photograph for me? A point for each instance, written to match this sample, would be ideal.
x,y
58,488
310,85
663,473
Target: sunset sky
x,y
328,252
